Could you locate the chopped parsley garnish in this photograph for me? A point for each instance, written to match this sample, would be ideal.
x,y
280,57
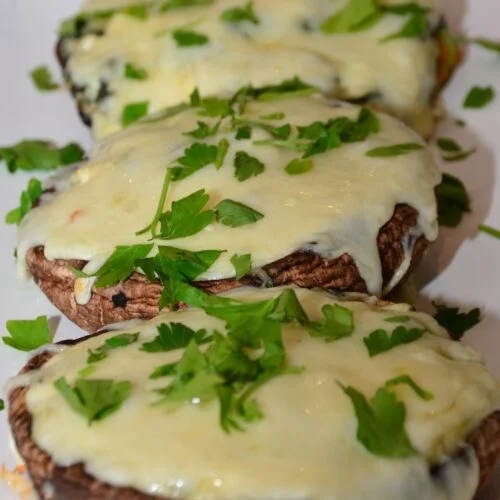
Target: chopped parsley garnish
x,y
43,79
115,342
398,319
338,323
221,153
294,87
244,132
28,198
134,72
26,335
186,217
407,380
133,112
242,264
381,423
452,151
298,166
172,336
273,116
395,150
479,97
405,8
2,405
39,155
489,230
247,166
204,130
453,201
234,214
355,16
485,43
94,399
187,38
119,266
240,14
379,341
196,156
415,27
180,4
455,322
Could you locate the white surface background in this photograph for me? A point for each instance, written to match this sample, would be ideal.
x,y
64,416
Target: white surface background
x,y
463,268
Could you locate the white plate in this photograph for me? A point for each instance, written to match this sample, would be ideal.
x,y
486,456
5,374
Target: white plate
x,y
463,268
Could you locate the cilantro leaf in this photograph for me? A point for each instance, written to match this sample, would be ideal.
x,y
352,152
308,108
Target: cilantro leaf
x,y
338,323
381,423
395,150
133,112
28,198
379,341
240,14
43,80
455,322
135,73
94,399
188,38
355,16
415,27
479,97
242,264
120,265
39,155
247,166
298,166
174,336
196,156
234,214
26,335
186,217
407,380
453,201
115,342
489,230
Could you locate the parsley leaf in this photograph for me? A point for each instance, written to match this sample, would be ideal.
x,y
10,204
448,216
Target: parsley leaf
x,y
43,80
244,132
180,4
456,153
455,322
115,342
119,266
398,319
187,38
196,156
26,335
39,155
355,16
381,423
247,166
453,201
240,14
407,380
2,405
298,166
133,112
405,8
135,73
489,230
293,87
234,214
174,336
479,97
242,264
338,323
415,27
204,130
223,148
395,150
186,217
28,198
379,341
94,399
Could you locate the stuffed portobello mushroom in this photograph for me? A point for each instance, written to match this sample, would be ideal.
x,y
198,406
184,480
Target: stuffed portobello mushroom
x,y
266,188
391,55
260,394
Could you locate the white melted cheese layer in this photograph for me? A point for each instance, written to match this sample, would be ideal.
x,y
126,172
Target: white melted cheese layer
x,y
305,447
338,207
400,74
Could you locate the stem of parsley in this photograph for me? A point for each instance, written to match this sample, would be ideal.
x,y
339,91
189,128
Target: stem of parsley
x,y
159,209
489,230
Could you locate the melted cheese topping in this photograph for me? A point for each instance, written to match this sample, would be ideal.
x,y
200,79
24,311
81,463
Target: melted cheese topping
x,y
397,76
305,447
337,207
